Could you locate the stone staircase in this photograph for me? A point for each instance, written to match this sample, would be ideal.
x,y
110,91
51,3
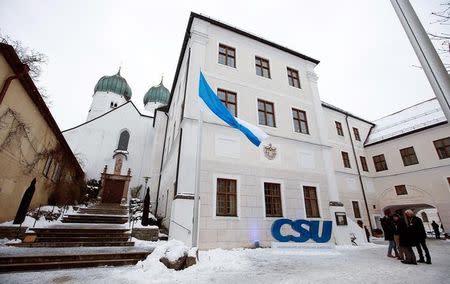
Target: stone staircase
x,y
46,261
76,242
92,236
99,214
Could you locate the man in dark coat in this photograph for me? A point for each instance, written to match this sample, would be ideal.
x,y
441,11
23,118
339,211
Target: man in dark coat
x,y
419,235
389,229
406,241
436,229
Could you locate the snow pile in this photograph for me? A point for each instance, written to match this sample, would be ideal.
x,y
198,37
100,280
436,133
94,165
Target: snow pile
x,y
147,244
175,251
43,217
172,249
153,268
6,241
138,224
30,222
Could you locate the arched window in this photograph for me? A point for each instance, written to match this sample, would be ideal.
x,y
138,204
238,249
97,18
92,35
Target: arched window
x,y
424,217
123,140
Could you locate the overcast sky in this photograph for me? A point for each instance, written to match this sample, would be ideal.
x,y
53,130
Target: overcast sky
x,y
367,62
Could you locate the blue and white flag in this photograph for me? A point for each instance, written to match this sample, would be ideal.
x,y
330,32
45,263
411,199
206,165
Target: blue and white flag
x,y
253,133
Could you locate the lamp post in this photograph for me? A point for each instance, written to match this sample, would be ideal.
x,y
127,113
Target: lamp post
x,y
426,53
145,212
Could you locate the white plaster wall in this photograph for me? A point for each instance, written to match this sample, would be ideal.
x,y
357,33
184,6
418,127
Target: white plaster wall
x,y
313,159
225,151
95,141
101,103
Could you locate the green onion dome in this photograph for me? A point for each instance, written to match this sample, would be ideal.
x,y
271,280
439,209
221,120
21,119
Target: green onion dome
x,y
157,94
115,84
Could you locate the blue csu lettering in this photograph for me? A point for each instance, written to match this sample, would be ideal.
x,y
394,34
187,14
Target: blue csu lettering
x,y
306,229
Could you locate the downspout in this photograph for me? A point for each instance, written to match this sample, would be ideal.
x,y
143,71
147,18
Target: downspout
x,y
175,192
8,81
160,167
185,85
359,172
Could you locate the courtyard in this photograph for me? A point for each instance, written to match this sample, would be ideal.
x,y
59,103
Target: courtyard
x,y
353,264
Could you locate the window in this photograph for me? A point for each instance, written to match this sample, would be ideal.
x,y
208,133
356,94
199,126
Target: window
x,y
293,77
409,156
380,163
443,148
346,160
229,100
262,67
311,202
300,121
356,133
356,210
401,189
48,163
272,197
57,172
339,128
227,55
123,140
266,113
364,163
226,200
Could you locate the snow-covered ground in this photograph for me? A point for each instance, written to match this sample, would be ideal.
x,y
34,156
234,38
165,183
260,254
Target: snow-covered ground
x,y
341,265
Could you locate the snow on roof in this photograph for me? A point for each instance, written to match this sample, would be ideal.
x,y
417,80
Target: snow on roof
x,y
410,119
335,108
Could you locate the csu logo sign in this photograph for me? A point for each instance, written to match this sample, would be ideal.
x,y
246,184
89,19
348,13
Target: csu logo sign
x,y
305,228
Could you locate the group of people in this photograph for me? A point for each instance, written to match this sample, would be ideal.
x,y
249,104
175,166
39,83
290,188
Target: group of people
x,y
404,233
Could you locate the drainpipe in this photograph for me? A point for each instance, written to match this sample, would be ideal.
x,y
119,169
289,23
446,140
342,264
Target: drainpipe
x,y
160,167
359,172
7,83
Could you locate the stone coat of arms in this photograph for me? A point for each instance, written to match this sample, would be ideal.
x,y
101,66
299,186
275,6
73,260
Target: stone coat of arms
x,y
270,152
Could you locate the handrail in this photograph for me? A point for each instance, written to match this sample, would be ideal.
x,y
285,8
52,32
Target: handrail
x,y
189,231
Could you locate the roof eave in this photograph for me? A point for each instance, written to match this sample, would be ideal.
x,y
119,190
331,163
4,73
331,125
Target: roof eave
x,y
225,26
14,61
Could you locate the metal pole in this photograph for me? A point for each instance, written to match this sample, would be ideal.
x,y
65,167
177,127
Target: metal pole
x,y
426,53
197,182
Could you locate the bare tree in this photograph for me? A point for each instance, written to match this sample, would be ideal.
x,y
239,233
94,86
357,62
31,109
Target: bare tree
x,y
34,59
441,20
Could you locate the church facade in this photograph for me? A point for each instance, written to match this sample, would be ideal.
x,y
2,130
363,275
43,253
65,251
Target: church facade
x,y
319,161
114,144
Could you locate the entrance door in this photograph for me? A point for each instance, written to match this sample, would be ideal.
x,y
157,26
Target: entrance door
x,y
112,191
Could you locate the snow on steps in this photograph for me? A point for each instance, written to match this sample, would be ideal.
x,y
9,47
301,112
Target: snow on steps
x,y
60,261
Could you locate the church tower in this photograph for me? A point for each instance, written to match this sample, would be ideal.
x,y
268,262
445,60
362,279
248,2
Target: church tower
x,y
109,93
155,97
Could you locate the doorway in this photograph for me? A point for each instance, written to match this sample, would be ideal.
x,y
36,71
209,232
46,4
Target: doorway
x,y
112,191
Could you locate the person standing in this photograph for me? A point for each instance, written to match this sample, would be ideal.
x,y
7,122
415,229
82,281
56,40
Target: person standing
x,y
389,228
436,229
406,241
419,235
395,220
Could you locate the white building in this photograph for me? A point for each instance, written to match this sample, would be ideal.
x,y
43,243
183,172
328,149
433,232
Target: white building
x,y
317,156
265,187
117,136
